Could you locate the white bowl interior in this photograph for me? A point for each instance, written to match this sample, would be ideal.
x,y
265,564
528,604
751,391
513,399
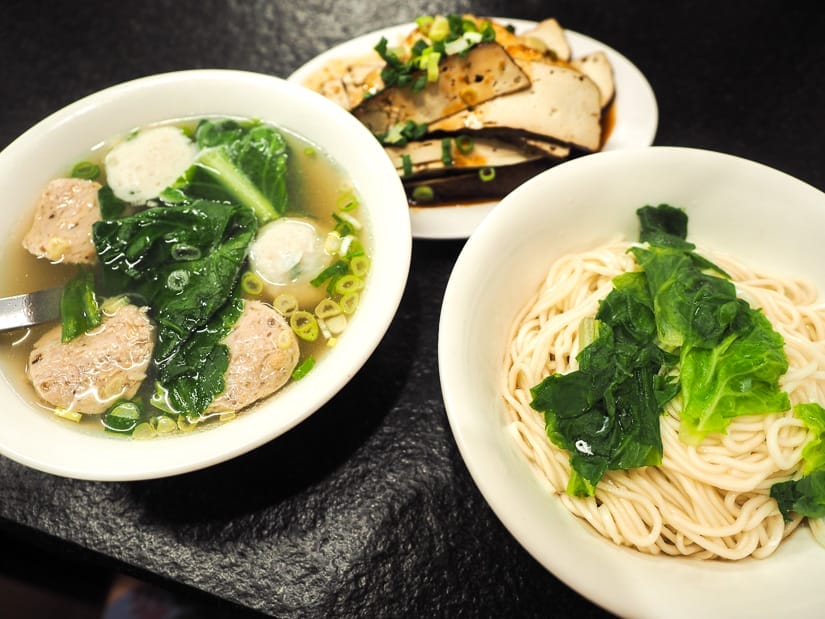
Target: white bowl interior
x,y
766,218
41,153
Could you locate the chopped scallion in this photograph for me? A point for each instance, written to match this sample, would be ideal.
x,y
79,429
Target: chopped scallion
x,y
406,165
304,324
348,283
440,28
303,368
432,66
86,170
347,202
423,193
182,251
177,280
251,283
327,308
349,302
285,303
446,151
487,174
465,144
359,266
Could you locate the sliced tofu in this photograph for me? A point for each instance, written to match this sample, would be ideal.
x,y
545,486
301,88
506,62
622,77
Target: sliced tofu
x,y
357,80
548,35
561,105
487,71
597,67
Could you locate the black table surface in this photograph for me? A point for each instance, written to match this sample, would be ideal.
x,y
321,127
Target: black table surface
x,y
366,509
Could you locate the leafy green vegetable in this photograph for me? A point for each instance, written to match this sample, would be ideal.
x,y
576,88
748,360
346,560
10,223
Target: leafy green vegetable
x,y
240,162
679,312
813,454
110,205
186,262
806,496
739,376
606,413
79,310
196,373
123,416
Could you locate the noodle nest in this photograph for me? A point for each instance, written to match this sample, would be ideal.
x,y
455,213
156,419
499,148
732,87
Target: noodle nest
x,y
707,501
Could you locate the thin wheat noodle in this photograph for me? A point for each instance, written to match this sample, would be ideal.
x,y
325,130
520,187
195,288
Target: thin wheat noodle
x,y
706,501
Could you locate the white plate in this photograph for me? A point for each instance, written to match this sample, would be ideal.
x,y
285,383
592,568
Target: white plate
x,y
637,117
735,206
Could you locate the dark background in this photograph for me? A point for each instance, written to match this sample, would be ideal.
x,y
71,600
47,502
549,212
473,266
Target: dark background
x,y
366,509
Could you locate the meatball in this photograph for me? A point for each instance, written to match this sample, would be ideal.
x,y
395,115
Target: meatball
x,y
263,352
63,218
94,370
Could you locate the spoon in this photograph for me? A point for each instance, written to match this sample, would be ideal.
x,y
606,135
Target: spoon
x,y
25,310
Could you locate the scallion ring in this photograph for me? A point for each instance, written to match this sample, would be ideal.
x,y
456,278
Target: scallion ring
x,y
359,266
285,303
327,308
348,283
252,284
487,174
349,302
184,252
304,325
86,170
177,280
464,144
423,193
347,202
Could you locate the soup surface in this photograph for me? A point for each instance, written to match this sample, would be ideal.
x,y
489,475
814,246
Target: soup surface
x,y
237,246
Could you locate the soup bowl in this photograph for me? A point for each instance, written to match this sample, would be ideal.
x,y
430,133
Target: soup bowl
x,y
47,443
767,219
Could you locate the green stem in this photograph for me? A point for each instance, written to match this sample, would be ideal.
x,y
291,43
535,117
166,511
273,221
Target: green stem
x,y
218,165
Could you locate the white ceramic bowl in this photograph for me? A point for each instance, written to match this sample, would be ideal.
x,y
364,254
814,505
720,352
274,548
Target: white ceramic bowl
x,y
41,153
765,217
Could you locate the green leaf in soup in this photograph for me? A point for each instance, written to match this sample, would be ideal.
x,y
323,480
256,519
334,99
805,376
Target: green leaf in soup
x,y
79,310
185,261
196,373
110,205
262,155
239,162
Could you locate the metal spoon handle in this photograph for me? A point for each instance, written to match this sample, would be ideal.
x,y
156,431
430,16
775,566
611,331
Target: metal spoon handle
x,y
24,310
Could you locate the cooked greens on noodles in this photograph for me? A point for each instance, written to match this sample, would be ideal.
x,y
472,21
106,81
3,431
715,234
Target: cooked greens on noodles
x,y
654,388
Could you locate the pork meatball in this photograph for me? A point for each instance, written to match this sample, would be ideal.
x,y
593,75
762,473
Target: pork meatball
x,y
94,370
63,218
263,352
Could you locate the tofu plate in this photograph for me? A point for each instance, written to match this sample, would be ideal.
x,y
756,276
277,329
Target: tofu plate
x,y
620,112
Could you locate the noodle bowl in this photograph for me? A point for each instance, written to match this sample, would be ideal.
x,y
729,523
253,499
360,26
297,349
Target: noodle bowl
x,y
706,501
